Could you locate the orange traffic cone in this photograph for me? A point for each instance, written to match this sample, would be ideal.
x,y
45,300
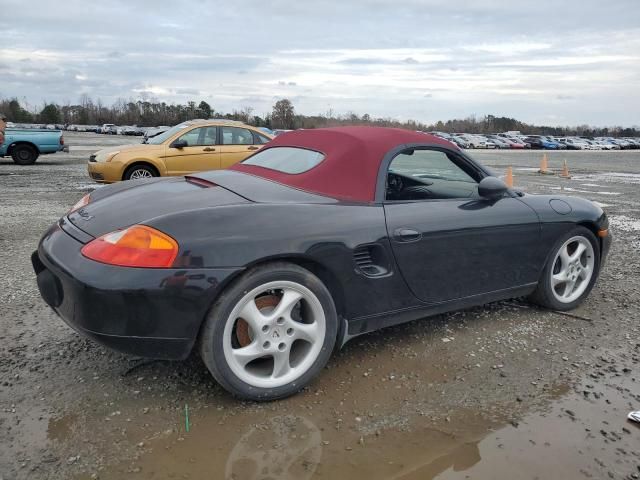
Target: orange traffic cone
x,y
544,165
565,170
508,179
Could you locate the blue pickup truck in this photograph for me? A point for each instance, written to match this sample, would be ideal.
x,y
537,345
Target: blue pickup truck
x,y
26,145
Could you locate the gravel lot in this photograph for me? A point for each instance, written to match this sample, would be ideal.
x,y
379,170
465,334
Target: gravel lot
x,y
503,391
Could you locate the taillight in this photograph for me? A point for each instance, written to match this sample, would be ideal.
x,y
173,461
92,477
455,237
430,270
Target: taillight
x,y
61,140
136,246
83,202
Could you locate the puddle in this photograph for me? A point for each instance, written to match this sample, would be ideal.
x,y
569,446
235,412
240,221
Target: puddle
x,y
61,428
561,441
304,447
567,440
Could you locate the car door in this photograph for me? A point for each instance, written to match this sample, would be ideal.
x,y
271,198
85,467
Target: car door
x,y
200,153
237,144
449,243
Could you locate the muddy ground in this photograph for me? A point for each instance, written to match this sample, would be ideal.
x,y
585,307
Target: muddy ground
x,y
503,391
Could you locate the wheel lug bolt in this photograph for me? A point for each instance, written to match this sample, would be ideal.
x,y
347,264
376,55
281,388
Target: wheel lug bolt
x,y
282,346
265,328
280,321
289,331
266,345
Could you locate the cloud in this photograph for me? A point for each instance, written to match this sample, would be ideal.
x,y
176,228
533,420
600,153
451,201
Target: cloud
x,y
375,56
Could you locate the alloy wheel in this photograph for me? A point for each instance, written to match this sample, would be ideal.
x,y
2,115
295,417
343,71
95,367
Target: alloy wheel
x,y
269,343
572,269
140,173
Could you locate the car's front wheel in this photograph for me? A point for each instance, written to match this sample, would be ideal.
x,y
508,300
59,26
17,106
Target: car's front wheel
x,y
270,333
571,271
136,172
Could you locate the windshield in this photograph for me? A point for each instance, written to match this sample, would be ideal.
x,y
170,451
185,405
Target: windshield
x,y
158,139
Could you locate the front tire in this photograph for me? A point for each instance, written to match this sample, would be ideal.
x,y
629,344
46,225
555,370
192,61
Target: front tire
x,y
24,154
571,271
270,332
137,172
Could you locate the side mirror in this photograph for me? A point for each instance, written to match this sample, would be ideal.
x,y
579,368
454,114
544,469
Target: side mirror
x,y
179,144
492,188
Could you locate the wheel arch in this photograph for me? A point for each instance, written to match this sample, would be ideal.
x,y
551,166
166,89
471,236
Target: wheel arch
x,y
19,143
325,274
593,228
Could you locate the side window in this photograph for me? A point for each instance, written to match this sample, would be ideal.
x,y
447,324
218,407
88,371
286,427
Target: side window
x,y
200,136
209,137
424,174
236,136
192,137
260,139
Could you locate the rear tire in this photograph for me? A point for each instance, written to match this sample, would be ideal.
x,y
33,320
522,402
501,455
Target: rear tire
x,y
24,154
137,172
270,332
570,272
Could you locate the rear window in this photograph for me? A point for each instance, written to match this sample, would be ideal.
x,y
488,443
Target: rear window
x,y
286,159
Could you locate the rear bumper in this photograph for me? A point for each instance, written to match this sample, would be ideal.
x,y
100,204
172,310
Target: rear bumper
x,y
153,313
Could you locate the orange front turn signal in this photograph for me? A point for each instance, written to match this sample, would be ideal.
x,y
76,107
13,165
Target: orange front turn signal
x,y
136,246
603,233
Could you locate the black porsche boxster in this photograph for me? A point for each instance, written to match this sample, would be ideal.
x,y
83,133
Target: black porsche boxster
x,y
322,235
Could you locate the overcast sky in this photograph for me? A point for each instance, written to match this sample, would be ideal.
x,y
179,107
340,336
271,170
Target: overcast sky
x,y
550,62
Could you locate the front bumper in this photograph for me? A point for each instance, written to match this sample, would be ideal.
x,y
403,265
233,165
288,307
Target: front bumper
x,y
148,312
104,172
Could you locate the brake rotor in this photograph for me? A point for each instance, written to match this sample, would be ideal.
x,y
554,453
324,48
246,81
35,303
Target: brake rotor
x,y
242,327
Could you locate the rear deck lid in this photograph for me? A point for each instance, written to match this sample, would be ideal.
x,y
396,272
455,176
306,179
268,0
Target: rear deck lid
x,y
137,201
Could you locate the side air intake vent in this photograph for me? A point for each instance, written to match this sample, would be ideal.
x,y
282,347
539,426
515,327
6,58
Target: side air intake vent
x,y
370,260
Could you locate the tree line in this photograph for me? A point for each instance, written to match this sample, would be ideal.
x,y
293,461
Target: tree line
x,y
148,113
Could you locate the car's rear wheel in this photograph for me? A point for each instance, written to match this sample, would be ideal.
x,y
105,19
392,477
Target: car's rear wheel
x,y
136,172
571,271
24,154
270,333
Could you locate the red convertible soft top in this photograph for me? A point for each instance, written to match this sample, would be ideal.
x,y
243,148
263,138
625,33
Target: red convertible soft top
x,y
352,159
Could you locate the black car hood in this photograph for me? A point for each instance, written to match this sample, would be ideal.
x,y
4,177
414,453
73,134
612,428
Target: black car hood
x,y
136,201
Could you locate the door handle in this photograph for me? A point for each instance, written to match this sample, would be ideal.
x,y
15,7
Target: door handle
x,y
407,234
208,149
252,148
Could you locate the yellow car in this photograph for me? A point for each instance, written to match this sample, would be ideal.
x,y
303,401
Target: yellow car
x,y
189,147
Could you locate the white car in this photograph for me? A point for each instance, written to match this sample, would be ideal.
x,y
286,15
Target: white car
x,y
575,143
475,141
108,128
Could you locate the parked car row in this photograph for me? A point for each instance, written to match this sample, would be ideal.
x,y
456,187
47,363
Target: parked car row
x,y
516,140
